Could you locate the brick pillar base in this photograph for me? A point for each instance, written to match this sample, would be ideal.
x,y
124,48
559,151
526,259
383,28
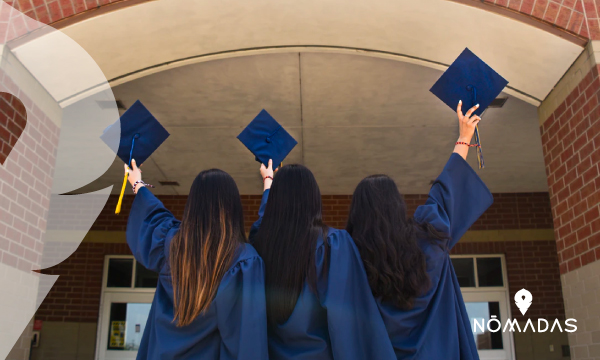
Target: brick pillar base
x,y
571,141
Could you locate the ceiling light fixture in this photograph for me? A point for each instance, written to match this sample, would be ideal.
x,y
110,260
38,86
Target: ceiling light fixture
x,y
169,183
498,102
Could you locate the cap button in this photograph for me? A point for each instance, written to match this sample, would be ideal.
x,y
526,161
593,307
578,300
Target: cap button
x,y
136,136
268,139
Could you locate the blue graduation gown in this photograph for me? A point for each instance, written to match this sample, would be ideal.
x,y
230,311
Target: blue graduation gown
x,y
342,320
235,324
437,327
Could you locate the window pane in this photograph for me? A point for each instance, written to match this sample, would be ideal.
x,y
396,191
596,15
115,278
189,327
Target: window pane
x,y
145,278
481,312
489,271
119,272
116,330
464,271
127,323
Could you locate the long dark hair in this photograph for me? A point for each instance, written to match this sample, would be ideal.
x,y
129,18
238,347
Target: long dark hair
x,y
287,238
202,251
387,241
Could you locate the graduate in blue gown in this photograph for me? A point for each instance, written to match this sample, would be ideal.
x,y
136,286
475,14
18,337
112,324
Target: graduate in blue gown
x,y
319,303
210,297
408,260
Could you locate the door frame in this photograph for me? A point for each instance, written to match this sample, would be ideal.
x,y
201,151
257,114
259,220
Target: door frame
x,y
110,295
492,293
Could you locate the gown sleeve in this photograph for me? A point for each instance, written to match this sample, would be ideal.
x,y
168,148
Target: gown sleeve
x,y
457,198
242,312
261,212
356,329
147,227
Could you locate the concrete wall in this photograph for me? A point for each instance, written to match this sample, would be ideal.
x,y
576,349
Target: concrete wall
x,y
581,289
540,346
66,341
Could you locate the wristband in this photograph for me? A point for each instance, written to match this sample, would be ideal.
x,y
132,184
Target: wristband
x,y
140,182
469,145
267,177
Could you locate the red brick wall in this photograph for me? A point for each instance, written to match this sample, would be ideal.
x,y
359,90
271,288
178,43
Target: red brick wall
x,y
14,24
26,167
531,264
25,177
509,211
13,118
571,143
565,14
75,297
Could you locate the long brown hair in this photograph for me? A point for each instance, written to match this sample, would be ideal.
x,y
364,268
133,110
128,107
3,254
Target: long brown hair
x,y
201,252
387,241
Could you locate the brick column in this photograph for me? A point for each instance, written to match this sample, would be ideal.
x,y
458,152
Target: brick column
x,y
28,142
570,128
25,180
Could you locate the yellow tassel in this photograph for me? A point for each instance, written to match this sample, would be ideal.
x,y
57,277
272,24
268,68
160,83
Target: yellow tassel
x,y
118,210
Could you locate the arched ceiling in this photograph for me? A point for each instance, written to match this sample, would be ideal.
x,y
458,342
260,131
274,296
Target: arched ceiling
x,y
152,36
348,79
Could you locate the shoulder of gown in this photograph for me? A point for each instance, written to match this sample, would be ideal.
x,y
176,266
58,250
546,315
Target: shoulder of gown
x,y
246,254
356,328
241,307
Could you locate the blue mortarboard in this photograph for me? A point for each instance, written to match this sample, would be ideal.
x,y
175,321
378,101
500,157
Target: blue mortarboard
x,y
266,139
471,80
141,135
474,82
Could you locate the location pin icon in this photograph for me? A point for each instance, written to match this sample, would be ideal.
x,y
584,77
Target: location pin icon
x,y
523,300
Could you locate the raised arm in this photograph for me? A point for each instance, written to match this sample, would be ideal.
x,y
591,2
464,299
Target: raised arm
x,y
466,126
148,225
267,175
458,197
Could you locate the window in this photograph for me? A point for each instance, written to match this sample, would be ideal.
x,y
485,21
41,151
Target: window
x,y
124,272
479,271
465,271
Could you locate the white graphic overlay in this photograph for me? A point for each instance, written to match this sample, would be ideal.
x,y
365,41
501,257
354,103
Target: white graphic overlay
x,y
68,104
523,299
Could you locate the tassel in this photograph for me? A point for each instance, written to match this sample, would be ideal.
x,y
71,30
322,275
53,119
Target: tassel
x,y
479,152
118,210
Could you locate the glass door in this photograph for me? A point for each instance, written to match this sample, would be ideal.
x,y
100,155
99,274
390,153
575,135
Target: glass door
x,y
123,319
481,307
127,293
483,283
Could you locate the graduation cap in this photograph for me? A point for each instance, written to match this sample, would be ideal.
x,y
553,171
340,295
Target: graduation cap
x,y
267,139
474,82
141,134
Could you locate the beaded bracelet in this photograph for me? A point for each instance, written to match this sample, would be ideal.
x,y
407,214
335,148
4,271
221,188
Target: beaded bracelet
x,y
267,177
140,182
469,145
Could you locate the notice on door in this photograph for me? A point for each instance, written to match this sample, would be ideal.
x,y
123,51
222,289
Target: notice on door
x,y
117,334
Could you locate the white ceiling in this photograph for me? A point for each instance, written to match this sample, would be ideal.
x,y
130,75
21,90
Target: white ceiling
x,y
161,34
352,115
